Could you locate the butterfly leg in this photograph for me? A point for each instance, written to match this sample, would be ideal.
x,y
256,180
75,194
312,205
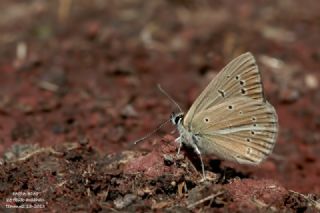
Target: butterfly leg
x,y
178,140
202,165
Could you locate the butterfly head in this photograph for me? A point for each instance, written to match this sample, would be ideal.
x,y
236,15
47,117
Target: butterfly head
x,y
176,118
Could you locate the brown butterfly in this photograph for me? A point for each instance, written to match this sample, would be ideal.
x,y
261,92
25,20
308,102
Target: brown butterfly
x,y
231,117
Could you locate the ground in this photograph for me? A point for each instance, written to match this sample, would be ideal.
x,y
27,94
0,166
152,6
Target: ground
x,y
79,84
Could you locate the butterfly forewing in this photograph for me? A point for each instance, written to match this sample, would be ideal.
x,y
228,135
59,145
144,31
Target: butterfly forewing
x,y
240,78
240,129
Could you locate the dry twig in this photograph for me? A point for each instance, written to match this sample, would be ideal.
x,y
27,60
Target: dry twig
x,y
192,205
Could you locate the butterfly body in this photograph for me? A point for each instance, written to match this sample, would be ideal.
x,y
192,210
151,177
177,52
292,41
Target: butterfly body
x,y
231,117
186,138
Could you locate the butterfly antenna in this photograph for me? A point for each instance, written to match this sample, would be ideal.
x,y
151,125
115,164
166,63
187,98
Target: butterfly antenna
x,y
151,133
169,97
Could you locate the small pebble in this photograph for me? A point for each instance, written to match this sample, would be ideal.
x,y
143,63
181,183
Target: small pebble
x,y
83,141
311,81
129,112
122,202
168,160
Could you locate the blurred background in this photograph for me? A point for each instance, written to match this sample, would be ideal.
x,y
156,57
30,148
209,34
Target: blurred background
x,y
89,69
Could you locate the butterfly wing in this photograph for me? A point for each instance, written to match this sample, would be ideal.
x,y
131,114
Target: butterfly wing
x,y
240,129
240,77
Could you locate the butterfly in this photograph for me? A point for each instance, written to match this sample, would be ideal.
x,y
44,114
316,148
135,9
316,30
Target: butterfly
x,y
231,118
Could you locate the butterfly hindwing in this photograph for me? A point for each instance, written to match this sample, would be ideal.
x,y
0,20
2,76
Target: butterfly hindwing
x,y
240,129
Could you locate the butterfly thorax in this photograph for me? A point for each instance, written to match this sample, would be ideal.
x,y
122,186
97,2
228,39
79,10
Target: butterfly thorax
x,y
186,137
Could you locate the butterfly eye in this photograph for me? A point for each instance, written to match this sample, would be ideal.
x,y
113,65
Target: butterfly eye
x,y
230,107
254,118
254,125
248,140
243,91
206,120
177,119
237,77
252,132
241,83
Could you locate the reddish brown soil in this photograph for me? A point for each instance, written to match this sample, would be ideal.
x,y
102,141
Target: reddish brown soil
x,y
78,85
